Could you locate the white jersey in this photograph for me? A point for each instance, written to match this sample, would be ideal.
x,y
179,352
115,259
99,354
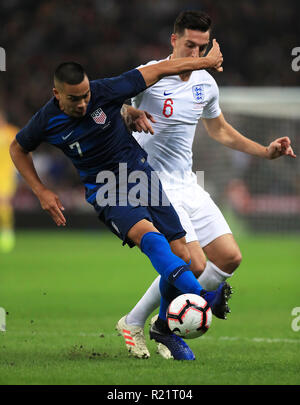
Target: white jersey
x,y
177,107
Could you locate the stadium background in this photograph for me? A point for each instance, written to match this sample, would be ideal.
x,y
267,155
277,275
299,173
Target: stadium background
x,y
59,286
109,37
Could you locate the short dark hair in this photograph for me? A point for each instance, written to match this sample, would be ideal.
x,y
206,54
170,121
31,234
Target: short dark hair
x,y
69,72
192,20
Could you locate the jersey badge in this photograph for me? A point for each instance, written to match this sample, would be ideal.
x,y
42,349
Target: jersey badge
x,y
99,116
198,92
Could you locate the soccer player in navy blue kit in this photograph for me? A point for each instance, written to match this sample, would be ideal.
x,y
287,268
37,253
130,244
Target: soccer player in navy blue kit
x,y
83,120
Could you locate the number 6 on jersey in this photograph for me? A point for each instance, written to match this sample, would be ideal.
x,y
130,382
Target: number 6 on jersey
x,y
168,108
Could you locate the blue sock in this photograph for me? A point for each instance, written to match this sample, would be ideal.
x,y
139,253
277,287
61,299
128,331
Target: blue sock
x,y
172,268
164,303
168,293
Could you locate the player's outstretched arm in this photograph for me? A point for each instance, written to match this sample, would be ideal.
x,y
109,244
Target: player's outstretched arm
x,y
153,73
49,201
220,130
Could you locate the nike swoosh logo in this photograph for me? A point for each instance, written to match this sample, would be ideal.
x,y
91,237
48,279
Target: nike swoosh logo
x,y
67,136
166,93
177,272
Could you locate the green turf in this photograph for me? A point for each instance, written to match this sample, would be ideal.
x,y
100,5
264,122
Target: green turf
x,y
64,291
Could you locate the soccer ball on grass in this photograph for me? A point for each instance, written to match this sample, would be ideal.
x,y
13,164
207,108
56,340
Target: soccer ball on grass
x,y
189,316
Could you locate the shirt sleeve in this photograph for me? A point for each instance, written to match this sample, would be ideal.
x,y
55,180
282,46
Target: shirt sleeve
x,y
32,135
121,88
136,101
212,108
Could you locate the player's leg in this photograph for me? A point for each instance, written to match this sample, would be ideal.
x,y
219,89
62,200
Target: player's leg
x,y
133,224
198,258
204,222
175,273
125,222
175,276
215,237
180,249
172,268
224,257
157,248
155,244
224,252
151,299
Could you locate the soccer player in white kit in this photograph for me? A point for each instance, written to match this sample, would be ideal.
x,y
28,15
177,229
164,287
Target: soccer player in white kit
x,y
176,103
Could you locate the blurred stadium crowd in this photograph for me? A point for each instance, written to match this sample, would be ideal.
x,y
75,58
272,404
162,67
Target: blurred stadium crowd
x,y
112,36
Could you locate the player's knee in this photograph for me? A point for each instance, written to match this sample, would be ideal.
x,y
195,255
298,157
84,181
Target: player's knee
x,y
236,260
232,262
141,228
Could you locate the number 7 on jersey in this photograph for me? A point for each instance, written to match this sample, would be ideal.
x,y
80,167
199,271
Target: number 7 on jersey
x,y
76,145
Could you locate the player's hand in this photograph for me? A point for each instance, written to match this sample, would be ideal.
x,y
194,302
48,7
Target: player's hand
x,y
280,147
215,57
51,203
137,120
142,122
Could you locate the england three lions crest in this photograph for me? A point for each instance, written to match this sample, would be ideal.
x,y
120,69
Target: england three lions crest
x,y
198,92
99,116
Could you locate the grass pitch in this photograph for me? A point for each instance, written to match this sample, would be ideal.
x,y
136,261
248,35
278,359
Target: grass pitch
x,y
64,292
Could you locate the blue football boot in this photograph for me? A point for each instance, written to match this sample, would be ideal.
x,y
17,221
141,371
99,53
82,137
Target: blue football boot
x,y
218,300
160,332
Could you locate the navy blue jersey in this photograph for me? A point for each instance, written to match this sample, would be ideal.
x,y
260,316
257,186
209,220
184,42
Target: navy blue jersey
x,y
97,141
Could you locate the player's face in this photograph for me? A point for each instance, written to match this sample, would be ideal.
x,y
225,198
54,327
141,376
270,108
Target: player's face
x,y
192,43
74,99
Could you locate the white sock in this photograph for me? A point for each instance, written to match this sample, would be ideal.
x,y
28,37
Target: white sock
x,y
146,305
212,277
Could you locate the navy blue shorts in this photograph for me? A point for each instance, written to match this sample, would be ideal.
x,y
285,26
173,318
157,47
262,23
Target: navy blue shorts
x,y
132,195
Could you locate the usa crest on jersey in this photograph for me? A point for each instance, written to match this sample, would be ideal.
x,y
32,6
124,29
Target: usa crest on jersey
x,y
198,92
99,116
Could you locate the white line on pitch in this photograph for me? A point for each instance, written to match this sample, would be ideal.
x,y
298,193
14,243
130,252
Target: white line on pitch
x,y
103,335
255,339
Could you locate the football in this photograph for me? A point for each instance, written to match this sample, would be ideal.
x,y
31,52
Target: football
x,y
189,316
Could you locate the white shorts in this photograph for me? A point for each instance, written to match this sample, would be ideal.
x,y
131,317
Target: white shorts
x,y
199,215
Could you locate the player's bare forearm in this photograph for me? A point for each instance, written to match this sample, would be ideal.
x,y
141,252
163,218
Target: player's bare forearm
x,y
220,130
154,73
24,164
233,139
